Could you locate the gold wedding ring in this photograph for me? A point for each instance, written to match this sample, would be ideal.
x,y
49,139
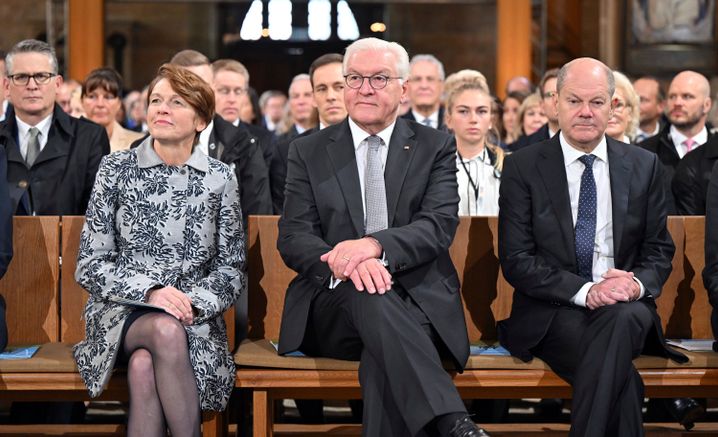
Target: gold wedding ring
x,y
613,288
346,259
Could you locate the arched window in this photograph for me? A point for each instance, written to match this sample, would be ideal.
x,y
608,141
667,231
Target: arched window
x,y
280,19
347,28
319,19
252,24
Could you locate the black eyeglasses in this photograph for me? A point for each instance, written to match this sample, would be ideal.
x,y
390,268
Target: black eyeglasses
x,y
22,79
377,81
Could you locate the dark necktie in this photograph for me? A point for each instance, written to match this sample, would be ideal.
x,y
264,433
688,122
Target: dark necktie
x,y
585,233
33,146
374,190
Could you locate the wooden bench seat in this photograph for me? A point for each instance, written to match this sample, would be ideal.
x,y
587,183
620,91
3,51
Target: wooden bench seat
x,y
44,307
487,298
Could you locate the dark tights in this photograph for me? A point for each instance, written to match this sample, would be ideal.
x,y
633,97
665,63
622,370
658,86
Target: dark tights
x,y
163,391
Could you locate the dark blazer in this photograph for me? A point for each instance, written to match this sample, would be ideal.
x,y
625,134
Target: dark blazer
x,y
266,140
61,179
323,207
690,182
662,145
240,150
527,140
442,126
536,235
278,169
710,271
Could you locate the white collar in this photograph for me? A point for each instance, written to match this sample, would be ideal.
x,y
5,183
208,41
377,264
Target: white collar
x,y
359,134
43,126
434,117
678,138
571,154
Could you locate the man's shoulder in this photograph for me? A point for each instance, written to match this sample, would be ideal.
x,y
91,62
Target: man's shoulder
x,y
653,143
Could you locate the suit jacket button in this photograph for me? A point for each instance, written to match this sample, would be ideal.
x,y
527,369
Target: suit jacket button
x,y
22,184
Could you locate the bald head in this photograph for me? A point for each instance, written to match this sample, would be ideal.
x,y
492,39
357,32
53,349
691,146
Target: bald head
x,y
689,102
587,67
520,84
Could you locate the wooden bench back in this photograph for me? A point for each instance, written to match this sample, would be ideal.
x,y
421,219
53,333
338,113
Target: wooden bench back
x,y
75,297
487,297
31,284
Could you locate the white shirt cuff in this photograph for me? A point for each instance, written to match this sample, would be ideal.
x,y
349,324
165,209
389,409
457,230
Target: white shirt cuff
x,y
580,297
643,289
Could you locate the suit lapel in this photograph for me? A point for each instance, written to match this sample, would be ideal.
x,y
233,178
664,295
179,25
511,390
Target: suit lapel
x,y
340,151
620,175
402,148
552,169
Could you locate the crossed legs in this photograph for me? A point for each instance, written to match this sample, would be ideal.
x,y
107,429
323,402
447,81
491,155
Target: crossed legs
x,y
163,391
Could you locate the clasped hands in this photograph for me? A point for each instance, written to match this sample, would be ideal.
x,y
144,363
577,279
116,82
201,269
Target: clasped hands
x,y
358,260
617,286
174,302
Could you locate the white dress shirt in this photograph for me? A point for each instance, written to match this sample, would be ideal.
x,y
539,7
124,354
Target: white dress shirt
x,y
603,246
433,118
203,144
23,133
485,202
678,138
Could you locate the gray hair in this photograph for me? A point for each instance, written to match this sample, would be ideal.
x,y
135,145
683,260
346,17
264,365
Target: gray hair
x,y
31,46
563,72
433,60
264,98
297,78
376,44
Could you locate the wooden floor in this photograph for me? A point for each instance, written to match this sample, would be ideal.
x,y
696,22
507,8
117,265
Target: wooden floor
x,y
499,430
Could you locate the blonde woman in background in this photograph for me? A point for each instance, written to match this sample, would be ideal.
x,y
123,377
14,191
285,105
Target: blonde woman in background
x,y
478,160
531,115
625,115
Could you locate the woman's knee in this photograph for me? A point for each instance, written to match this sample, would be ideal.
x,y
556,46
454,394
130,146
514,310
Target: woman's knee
x,y
140,370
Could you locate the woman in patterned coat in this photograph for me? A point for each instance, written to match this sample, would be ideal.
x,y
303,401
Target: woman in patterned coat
x,y
162,256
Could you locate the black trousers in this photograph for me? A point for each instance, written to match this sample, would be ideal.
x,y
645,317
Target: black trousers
x,y
593,351
404,385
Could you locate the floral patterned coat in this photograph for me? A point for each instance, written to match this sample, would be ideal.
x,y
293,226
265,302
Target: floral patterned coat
x,y
150,224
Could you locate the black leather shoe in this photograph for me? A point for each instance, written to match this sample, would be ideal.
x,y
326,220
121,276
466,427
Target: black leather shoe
x,y
686,411
465,427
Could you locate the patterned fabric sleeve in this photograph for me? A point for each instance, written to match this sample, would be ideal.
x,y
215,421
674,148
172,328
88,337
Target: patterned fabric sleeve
x,y
97,270
226,280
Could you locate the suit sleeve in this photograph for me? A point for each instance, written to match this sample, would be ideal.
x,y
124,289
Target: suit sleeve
x,y
524,267
710,271
686,188
278,175
253,180
432,226
6,214
300,241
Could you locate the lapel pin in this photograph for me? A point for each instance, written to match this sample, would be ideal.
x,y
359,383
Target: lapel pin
x,y
407,147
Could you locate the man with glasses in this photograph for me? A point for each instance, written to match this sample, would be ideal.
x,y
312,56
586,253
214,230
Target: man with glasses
x,y
547,89
425,85
52,158
371,208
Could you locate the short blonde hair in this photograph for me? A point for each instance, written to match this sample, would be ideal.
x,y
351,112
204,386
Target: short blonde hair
x,y
632,102
533,99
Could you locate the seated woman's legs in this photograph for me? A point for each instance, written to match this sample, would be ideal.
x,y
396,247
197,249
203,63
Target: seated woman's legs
x,y
160,363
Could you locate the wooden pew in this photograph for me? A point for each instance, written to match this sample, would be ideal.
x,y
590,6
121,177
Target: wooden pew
x,y
487,298
34,287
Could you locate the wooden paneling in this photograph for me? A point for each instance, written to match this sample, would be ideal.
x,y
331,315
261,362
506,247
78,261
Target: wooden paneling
x,y
30,286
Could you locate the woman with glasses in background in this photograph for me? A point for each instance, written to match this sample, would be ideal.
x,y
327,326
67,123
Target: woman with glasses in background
x,y
625,115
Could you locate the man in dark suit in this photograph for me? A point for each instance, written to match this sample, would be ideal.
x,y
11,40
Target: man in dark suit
x,y
221,140
52,158
327,81
424,87
583,239
687,105
652,101
547,89
370,212
693,173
